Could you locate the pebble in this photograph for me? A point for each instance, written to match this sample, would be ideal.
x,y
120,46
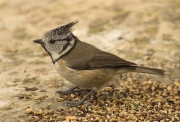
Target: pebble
x,y
132,117
177,84
107,89
29,110
71,118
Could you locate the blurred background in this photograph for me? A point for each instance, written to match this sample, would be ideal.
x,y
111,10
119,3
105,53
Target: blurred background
x,y
146,32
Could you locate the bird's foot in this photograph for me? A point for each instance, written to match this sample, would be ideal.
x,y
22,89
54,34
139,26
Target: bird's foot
x,y
69,91
69,103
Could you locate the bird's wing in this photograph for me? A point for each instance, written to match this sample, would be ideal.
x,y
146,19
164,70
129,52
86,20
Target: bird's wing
x,y
104,59
100,59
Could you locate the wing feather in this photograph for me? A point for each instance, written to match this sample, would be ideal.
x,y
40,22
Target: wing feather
x,y
100,60
104,59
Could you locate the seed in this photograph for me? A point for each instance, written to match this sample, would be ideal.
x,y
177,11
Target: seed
x,y
106,89
29,110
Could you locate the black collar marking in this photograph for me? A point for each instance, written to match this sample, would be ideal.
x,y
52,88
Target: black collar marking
x,y
48,53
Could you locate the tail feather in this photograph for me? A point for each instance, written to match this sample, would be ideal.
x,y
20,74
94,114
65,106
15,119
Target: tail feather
x,y
150,70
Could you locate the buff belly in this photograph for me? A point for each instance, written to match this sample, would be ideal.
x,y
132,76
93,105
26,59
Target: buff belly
x,y
89,79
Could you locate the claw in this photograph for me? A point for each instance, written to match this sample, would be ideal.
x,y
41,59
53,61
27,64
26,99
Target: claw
x,y
72,104
61,93
69,103
58,92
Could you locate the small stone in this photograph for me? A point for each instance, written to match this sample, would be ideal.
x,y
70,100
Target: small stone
x,y
36,117
123,114
72,96
169,88
40,111
158,118
114,120
41,97
71,118
149,82
60,99
31,89
51,111
105,93
46,117
29,110
132,117
106,89
177,84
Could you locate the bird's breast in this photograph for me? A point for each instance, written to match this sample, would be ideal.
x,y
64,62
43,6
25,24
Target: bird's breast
x,y
89,79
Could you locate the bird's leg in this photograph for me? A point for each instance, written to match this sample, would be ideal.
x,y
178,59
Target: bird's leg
x,y
69,91
61,93
69,103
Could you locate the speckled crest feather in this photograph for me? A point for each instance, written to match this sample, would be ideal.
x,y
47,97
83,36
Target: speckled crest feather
x,y
62,30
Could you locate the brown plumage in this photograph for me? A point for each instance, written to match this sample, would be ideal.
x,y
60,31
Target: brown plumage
x,y
88,57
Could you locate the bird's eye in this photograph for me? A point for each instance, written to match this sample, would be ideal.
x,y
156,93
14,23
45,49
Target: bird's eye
x,y
52,41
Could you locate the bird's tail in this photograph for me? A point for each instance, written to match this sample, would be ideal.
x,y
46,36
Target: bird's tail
x,y
149,70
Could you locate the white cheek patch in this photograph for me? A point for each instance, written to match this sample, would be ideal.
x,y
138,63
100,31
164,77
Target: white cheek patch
x,y
55,55
64,45
68,48
61,49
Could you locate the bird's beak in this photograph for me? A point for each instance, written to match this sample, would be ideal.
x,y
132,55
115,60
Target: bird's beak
x,y
39,41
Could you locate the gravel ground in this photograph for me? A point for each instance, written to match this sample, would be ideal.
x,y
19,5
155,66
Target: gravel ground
x,y
145,32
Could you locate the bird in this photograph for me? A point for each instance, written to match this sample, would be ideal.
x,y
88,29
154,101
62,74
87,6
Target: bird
x,y
83,64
